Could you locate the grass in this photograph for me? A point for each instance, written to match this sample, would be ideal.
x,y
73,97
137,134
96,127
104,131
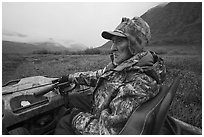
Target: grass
x,y
9,64
185,60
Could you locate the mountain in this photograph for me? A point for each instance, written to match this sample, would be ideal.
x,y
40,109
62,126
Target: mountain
x,y
17,47
72,45
51,46
173,23
30,47
27,43
24,48
176,22
105,47
77,47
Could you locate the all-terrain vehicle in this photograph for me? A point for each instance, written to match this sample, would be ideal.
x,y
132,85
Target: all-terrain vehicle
x,y
34,105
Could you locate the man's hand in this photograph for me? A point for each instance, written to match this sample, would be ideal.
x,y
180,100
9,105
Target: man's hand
x,y
62,79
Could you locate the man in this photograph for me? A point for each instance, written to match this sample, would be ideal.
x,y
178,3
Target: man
x,y
133,77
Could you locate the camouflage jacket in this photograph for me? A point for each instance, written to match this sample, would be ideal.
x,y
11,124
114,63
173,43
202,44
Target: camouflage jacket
x,y
118,92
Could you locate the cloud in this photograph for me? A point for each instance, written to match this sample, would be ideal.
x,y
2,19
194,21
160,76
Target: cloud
x,y
13,34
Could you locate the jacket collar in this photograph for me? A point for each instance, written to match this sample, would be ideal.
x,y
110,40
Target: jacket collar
x,y
131,62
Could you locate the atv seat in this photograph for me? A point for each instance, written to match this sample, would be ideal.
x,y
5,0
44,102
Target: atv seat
x,y
150,116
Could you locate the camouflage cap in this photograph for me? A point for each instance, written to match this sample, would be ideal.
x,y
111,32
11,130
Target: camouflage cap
x,y
135,27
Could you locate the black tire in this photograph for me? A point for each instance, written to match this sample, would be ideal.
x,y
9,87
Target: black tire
x,y
19,131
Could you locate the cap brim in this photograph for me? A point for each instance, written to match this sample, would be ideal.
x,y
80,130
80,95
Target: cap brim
x,y
110,34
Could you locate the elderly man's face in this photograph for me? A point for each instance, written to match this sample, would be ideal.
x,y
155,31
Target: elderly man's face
x,y
120,49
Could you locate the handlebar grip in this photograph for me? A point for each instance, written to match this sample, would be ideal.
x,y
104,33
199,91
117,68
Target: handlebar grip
x,y
45,90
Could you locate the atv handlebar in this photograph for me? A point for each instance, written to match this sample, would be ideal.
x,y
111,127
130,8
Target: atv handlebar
x,y
45,90
56,85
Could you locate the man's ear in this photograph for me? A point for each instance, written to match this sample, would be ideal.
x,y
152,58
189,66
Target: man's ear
x,y
144,41
135,46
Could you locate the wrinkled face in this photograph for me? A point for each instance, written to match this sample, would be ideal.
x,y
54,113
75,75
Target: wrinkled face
x,y
120,49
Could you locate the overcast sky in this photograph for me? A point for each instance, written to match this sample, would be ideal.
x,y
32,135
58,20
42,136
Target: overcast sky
x,y
80,22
